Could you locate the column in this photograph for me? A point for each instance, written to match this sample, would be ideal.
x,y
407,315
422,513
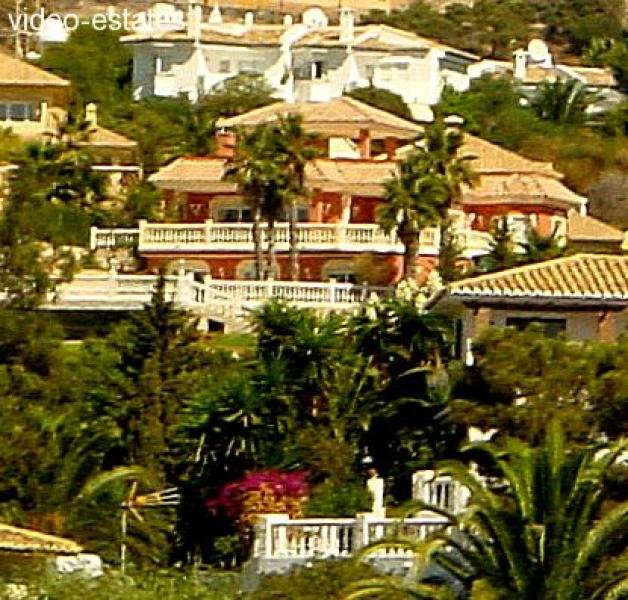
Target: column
x,y
364,143
345,201
390,147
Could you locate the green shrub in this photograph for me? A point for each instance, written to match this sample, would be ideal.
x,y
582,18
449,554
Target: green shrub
x,y
141,585
324,580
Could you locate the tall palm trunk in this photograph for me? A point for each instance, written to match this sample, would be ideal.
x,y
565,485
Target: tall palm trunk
x,y
410,255
270,264
293,240
257,242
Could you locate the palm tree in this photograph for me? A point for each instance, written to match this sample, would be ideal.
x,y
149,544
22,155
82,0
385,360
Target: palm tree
x,y
255,169
562,101
260,168
427,185
503,254
444,144
298,147
538,247
416,199
200,131
542,533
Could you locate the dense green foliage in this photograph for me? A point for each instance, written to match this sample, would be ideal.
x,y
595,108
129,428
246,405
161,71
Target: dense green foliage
x,y
80,59
497,27
152,401
521,379
382,99
155,403
321,580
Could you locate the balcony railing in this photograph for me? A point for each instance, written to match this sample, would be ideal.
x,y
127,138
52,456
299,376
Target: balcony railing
x,y
279,537
239,236
113,238
111,291
211,237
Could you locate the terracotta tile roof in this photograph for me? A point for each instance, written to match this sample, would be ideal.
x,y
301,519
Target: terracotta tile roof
x,y
581,228
191,173
342,116
520,188
362,176
16,539
208,173
366,36
593,76
100,136
490,158
14,71
579,277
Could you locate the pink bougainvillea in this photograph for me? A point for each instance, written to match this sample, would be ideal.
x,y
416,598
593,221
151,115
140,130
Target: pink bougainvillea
x,y
258,492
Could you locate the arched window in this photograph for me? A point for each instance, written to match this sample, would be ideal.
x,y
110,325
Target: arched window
x,y
340,270
246,270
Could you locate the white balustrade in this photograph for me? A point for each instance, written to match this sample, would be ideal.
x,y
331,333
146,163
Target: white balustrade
x,y
113,238
279,537
239,236
227,296
213,236
441,491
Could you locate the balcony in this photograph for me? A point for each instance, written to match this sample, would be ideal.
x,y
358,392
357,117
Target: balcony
x,y
281,542
238,237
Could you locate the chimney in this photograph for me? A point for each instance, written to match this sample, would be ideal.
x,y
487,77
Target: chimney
x,y
347,25
226,142
91,115
521,63
195,16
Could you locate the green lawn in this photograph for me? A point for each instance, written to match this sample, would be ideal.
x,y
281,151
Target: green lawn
x,y
237,342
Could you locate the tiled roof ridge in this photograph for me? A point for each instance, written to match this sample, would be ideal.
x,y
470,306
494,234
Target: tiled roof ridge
x,y
513,271
35,75
40,541
364,110
536,166
369,111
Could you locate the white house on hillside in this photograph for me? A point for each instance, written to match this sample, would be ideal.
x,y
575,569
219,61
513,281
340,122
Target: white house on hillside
x,y
306,61
535,65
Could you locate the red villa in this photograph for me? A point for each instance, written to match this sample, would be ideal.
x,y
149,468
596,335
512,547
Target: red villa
x,y
338,234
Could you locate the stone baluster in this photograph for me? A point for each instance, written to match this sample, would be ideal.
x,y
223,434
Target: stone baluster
x,y
332,290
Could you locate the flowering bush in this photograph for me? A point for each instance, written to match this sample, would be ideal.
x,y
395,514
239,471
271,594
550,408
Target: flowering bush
x,y
259,492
